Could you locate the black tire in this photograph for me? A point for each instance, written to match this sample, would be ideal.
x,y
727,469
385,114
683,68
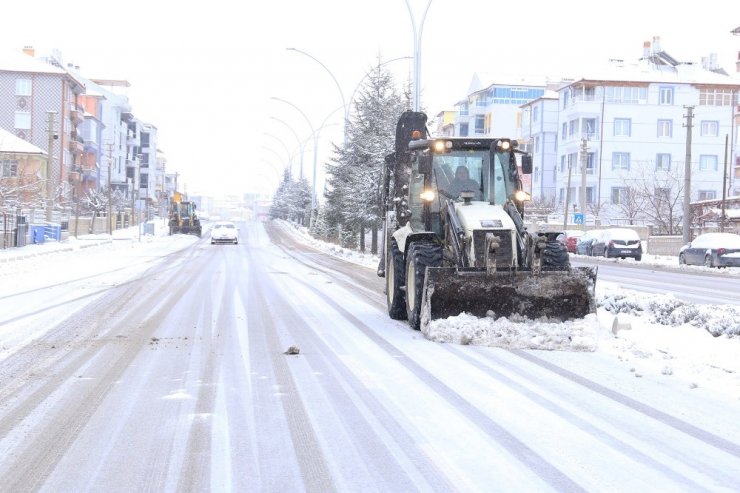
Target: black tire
x,y
681,259
419,257
708,261
394,279
638,258
555,256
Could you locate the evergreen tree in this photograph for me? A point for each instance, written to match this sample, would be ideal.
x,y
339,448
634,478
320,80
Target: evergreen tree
x,y
355,172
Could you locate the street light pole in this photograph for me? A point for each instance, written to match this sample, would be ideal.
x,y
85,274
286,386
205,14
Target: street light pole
x,y
341,93
285,148
417,52
315,149
298,139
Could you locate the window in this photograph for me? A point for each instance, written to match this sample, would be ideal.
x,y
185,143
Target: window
x,y
621,160
662,162
537,175
23,120
23,87
572,127
535,114
537,144
480,124
590,163
8,168
662,194
463,130
464,109
707,194
715,97
573,161
707,163
630,95
564,134
589,126
562,163
589,195
622,127
620,195
665,128
709,129
665,95
566,98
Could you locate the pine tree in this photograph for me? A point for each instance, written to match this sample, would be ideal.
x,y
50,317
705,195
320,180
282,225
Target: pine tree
x,y
355,172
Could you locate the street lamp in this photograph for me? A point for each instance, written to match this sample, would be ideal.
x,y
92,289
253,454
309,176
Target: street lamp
x,y
298,140
285,148
341,93
417,51
315,147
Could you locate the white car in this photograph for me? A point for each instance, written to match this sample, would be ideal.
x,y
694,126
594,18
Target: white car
x,y
224,232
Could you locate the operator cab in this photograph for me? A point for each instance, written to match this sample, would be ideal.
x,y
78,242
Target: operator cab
x,y
442,169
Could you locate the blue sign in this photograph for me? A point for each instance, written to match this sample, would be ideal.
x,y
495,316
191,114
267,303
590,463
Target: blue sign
x,y
578,218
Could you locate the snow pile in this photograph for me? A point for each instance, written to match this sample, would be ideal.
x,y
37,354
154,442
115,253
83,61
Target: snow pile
x,y
667,310
516,332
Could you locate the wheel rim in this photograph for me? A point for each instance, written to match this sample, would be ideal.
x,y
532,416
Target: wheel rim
x,y
681,260
411,286
390,275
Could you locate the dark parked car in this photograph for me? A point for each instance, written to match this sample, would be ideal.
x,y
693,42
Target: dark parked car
x,y
583,247
618,243
712,250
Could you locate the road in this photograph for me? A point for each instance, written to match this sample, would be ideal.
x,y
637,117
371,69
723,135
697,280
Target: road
x,y
688,284
176,379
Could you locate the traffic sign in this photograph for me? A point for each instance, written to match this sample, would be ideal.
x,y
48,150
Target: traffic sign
x,y
578,218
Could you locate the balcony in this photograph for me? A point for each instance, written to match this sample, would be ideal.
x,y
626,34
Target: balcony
x,y
76,146
76,114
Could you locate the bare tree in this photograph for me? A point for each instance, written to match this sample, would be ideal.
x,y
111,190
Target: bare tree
x,y
656,195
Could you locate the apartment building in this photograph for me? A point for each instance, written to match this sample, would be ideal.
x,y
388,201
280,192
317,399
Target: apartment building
x,y
39,103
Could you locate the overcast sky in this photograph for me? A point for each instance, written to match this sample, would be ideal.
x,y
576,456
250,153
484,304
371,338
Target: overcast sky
x,y
204,73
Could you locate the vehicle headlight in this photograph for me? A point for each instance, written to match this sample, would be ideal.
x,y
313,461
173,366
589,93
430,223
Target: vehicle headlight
x,y
427,195
522,196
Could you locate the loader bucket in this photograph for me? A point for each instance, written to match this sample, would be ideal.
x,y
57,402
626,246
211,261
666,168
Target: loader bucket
x,y
560,295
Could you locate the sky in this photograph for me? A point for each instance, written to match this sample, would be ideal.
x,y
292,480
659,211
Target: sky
x,y
205,73
643,340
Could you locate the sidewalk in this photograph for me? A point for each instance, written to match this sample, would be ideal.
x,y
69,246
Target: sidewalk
x,y
81,241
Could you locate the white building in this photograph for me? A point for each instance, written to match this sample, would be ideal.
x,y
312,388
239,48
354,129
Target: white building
x,y
632,119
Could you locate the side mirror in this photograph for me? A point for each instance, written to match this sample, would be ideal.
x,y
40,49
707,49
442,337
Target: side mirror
x,y
526,164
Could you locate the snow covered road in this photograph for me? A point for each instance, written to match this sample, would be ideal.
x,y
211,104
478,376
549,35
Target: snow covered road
x,y
174,377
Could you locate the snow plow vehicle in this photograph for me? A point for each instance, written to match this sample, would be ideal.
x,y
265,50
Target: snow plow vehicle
x,y
455,239
182,216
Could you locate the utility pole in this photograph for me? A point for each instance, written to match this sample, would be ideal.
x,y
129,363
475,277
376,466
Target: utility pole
x,y
110,195
584,164
687,177
567,196
49,164
723,218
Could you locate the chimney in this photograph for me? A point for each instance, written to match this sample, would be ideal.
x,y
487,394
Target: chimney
x,y
646,49
28,50
737,64
713,61
656,44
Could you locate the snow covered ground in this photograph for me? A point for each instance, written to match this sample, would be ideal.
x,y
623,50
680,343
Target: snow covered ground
x,y
649,334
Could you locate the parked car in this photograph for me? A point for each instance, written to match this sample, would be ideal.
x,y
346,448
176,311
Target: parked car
x,y
618,243
570,239
712,250
583,246
224,232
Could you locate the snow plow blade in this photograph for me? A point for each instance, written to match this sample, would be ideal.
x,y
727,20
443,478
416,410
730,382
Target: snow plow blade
x,y
563,295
